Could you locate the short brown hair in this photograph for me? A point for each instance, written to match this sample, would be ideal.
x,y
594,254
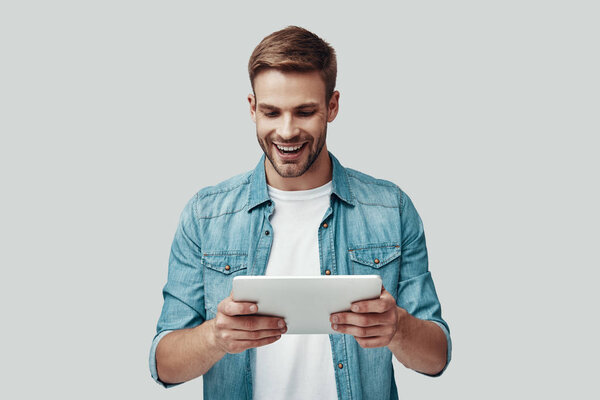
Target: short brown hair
x,y
295,49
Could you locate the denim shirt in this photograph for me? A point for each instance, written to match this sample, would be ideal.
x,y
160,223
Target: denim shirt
x,y
224,231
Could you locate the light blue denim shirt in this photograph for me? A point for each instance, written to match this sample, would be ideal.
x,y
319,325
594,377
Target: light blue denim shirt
x,y
228,225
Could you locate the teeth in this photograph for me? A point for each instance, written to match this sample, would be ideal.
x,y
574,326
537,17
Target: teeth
x,y
288,148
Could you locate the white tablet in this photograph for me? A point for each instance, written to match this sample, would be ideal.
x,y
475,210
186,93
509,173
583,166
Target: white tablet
x,y
305,302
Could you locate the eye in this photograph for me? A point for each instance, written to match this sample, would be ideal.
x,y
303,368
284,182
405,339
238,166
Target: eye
x,y
271,114
306,113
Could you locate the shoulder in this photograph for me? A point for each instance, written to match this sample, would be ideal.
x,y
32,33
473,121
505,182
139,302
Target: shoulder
x,y
226,197
369,190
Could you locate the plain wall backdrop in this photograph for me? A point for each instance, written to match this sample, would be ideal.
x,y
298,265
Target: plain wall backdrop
x,y
114,113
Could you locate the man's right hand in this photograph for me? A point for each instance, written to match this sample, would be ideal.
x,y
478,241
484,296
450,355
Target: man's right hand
x,y
236,328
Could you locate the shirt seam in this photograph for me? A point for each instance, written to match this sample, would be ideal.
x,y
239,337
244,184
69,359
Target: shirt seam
x,y
376,204
225,189
375,181
222,214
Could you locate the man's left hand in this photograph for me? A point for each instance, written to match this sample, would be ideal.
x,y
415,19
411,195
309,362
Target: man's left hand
x,y
373,323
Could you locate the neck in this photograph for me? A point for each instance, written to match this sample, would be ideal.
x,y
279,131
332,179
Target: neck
x,y
319,173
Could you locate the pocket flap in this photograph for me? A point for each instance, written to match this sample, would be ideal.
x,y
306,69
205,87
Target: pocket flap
x,y
226,262
375,255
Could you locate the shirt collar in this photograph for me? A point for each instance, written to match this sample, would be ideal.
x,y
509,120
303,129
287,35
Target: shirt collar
x,y
258,184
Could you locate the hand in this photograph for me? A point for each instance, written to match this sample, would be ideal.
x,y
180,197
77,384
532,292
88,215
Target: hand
x,y
235,329
373,323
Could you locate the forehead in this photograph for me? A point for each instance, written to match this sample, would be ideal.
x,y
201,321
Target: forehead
x,y
288,89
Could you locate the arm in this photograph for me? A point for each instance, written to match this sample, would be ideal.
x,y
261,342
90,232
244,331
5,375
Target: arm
x,y
186,344
417,344
411,327
188,353
185,354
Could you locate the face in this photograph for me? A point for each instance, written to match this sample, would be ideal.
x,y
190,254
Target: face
x,y
291,116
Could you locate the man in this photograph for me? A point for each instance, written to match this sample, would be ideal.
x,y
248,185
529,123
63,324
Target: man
x,y
299,212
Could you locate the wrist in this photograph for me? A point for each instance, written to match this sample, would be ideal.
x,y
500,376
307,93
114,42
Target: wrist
x,y
211,338
401,328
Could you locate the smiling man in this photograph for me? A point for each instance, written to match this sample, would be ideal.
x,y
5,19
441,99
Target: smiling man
x,y
299,212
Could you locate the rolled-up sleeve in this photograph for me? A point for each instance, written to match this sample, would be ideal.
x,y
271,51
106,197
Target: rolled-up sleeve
x,y
416,291
183,293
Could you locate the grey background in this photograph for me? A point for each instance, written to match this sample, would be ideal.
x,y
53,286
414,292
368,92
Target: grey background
x,y
114,113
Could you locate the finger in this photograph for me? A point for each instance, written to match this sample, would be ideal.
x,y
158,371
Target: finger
x,y
231,308
380,305
358,319
252,335
364,332
256,323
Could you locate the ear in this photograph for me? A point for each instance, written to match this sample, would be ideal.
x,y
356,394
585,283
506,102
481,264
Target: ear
x,y
333,106
252,102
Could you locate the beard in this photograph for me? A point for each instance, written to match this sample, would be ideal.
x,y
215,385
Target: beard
x,y
294,169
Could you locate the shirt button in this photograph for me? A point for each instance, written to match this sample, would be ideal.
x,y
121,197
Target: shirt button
x,y
327,272
340,365
227,268
376,261
267,233
325,225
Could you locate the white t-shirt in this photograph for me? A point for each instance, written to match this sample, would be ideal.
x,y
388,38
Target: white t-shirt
x,y
296,366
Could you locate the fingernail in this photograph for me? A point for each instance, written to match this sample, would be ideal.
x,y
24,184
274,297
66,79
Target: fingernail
x,y
334,319
280,324
253,308
283,330
335,327
354,308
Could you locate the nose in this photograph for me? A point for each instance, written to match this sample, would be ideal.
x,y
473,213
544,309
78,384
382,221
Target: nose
x,y
288,130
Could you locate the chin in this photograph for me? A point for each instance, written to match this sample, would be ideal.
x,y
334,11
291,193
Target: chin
x,y
289,170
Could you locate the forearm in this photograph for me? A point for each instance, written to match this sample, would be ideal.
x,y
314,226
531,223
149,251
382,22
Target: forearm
x,y
185,354
418,344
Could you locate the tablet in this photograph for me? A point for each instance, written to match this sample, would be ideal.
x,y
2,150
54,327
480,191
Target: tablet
x,y
305,302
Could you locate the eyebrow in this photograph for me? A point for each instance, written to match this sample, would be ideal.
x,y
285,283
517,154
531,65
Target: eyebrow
x,y
265,106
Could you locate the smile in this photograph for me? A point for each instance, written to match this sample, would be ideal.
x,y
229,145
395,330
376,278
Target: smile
x,y
289,149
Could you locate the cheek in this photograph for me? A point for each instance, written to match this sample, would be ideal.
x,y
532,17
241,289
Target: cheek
x,y
262,129
314,127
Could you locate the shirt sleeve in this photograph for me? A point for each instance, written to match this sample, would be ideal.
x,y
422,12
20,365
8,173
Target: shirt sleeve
x,y
416,291
183,293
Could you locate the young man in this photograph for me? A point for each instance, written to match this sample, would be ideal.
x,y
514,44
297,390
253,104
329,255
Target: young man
x,y
299,212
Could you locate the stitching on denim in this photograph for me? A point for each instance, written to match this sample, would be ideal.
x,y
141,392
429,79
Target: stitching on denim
x,y
401,195
376,204
332,250
209,253
346,373
219,269
226,213
195,206
246,181
374,246
375,181
370,263
352,196
321,251
338,388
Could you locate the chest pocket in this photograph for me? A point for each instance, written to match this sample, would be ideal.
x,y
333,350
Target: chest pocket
x,y
381,259
219,269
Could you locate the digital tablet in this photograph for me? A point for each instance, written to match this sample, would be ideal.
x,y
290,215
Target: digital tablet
x,y
305,302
